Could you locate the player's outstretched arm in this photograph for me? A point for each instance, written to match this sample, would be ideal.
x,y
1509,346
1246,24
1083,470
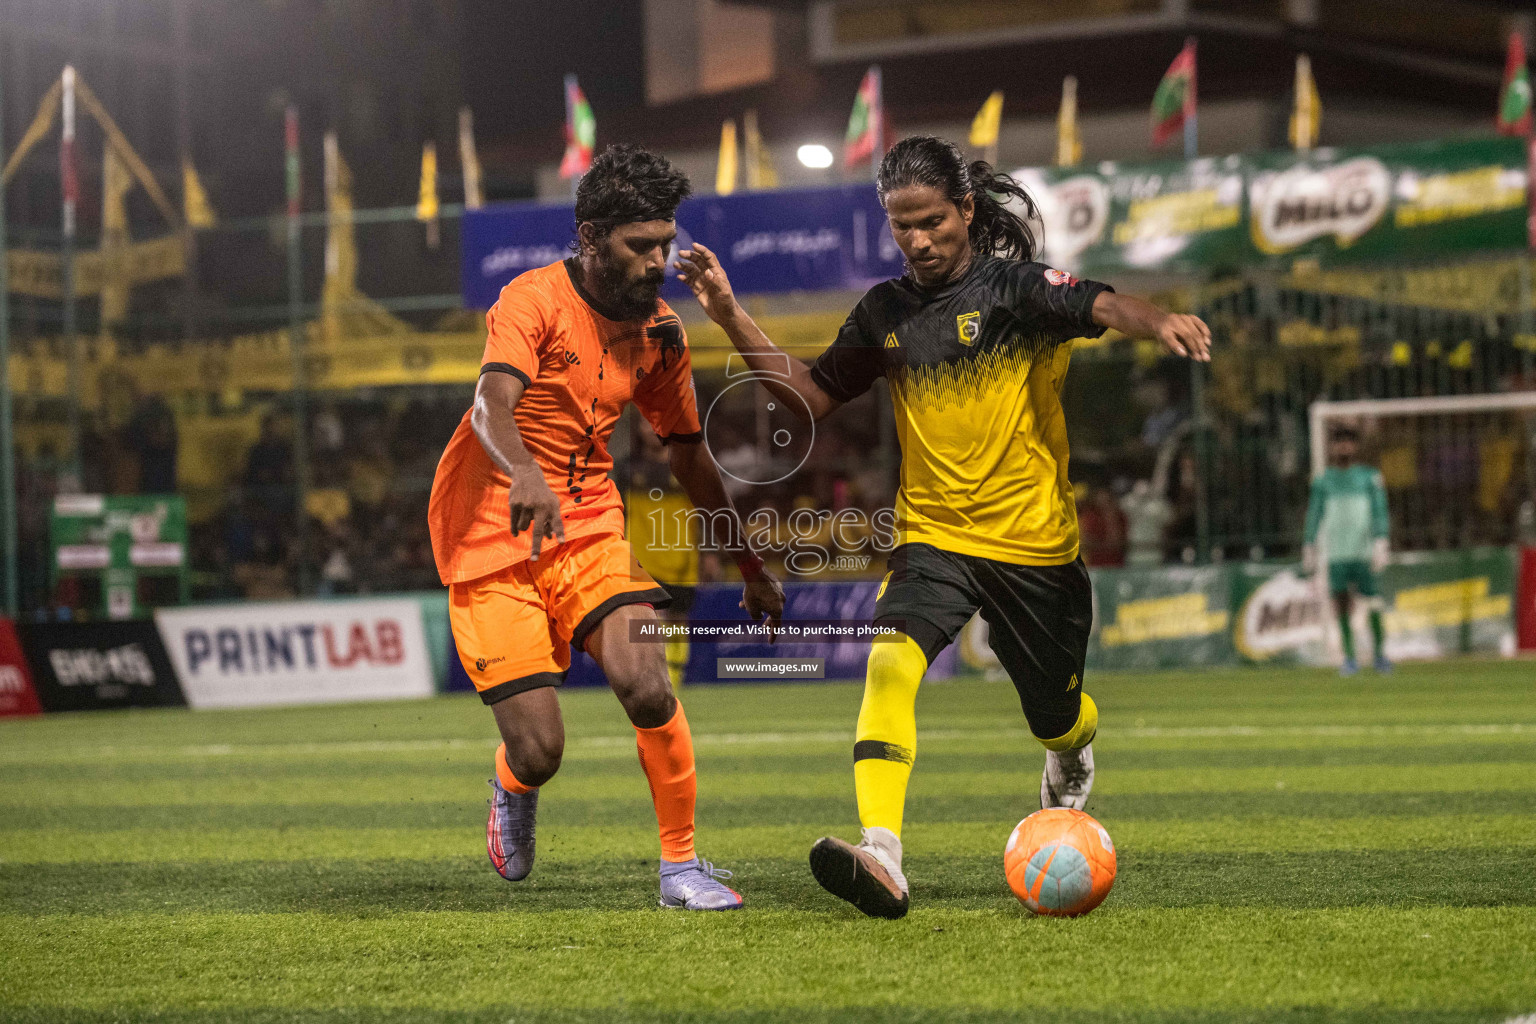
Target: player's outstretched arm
x,y
700,270
1179,333
695,469
532,504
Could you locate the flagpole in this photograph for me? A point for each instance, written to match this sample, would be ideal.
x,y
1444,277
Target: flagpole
x,y
1191,108
69,182
7,452
879,125
296,344
570,121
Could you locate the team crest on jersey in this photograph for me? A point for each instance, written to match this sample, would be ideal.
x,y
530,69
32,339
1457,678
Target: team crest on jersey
x,y
1059,277
891,342
969,327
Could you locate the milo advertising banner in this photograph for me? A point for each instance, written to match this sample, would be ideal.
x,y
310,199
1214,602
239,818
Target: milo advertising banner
x,y
1163,216
1280,616
1331,205
1161,618
1390,202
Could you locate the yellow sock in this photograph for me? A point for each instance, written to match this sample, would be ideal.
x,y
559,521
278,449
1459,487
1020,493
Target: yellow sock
x,y
1081,734
885,744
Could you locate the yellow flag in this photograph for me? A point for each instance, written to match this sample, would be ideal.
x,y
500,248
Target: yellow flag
x,y
1069,145
469,161
340,284
760,170
426,206
1307,118
989,119
195,208
116,183
725,169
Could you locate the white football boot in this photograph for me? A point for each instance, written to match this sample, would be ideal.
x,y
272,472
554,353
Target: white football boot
x,y
868,875
1068,778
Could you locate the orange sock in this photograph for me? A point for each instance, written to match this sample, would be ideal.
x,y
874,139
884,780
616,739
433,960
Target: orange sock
x,y
666,754
504,773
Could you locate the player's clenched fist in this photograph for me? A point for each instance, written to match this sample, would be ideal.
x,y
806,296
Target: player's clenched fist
x,y
534,505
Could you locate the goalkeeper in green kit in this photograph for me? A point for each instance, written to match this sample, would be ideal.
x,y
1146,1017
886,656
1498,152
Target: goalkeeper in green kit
x,y
1349,509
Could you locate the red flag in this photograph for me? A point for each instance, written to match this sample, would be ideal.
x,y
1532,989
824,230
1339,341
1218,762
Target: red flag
x,y
291,158
1174,101
866,122
1515,98
580,131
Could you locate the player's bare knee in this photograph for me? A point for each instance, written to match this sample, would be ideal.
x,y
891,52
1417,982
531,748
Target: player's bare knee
x,y
535,755
647,695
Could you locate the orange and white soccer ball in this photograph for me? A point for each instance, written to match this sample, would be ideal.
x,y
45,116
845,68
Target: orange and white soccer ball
x,y
1060,862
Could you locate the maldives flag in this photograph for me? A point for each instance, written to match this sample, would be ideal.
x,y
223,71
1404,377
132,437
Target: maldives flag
x,y
1515,100
1174,101
580,131
866,122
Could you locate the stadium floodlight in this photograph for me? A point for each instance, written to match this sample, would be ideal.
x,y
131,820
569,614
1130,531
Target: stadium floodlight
x,y
815,155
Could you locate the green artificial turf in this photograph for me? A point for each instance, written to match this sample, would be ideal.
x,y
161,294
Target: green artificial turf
x,y
1292,847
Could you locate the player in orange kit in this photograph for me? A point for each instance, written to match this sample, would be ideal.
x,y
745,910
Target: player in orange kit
x,y
528,528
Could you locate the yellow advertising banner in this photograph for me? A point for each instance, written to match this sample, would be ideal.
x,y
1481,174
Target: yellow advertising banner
x,y
41,274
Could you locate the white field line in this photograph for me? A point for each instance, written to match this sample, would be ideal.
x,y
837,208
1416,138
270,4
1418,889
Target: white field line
x,y
829,737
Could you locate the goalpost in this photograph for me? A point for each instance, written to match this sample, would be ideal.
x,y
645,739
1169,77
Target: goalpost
x,y
1321,413
1460,470
1465,465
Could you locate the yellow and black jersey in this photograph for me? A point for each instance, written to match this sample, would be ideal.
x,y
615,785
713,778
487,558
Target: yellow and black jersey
x,y
975,369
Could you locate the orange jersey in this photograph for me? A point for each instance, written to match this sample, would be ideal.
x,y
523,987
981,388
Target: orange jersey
x,y
579,369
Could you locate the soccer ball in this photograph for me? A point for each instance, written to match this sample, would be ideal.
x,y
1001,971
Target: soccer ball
x,y
1060,862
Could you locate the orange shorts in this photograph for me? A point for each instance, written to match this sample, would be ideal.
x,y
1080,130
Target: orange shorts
x,y
515,628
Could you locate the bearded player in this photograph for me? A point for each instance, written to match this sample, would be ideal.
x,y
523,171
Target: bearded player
x,y
974,341
528,528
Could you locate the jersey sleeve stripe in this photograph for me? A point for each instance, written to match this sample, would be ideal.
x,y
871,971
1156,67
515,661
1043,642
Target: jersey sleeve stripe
x,y
506,368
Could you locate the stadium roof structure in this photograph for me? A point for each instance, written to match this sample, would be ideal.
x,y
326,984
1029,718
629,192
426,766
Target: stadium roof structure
x,y
1367,55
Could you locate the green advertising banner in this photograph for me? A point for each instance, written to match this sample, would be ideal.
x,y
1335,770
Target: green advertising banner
x,y
119,556
1444,603
1163,216
1435,604
1279,616
1161,618
1332,206
1390,202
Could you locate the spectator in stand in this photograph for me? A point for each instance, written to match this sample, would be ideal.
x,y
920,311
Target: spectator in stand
x,y
269,466
1101,525
151,435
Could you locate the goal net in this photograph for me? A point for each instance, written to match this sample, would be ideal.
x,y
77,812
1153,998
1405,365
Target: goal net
x,y
1459,469
1460,473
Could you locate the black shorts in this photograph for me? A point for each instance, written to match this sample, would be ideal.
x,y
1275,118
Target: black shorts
x,y
1038,618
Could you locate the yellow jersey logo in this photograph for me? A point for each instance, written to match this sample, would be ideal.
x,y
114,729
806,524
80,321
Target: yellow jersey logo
x,y
1073,684
891,342
969,327
881,592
